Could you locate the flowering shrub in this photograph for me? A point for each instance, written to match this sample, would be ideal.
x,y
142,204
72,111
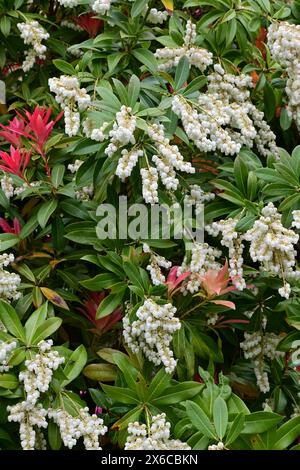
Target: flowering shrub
x,y
121,331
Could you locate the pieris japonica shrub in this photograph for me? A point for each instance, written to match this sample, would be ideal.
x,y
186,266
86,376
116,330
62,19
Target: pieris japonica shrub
x,y
160,335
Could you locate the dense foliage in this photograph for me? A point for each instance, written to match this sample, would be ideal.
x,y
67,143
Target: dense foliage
x,y
156,342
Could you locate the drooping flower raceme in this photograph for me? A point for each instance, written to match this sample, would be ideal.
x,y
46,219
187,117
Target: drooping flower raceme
x,y
90,427
224,118
157,17
69,3
154,267
257,346
127,162
122,132
83,193
272,245
33,34
152,332
155,438
201,258
168,158
9,282
197,56
101,6
39,371
72,99
150,184
284,44
31,419
6,349
296,219
233,241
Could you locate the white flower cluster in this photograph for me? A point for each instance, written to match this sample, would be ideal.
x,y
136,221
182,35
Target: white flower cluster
x,y
9,282
203,257
39,371
101,6
127,162
272,245
224,118
256,346
36,378
74,167
157,17
152,332
72,99
6,350
219,446
69,3
122,132
156,263
71,25
150,184
197,56
155,438
28,417
197,196
296,219
233,241
169,157
30,414
86,192
97,134
90,427
7,186
33,34
284,44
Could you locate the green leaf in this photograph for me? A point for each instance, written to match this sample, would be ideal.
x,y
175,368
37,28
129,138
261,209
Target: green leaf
x,y
47,328
287,433
178,393
120,394
130,417
182,73
100,282
265,5
220,415
57,175
200,420
235,429
54,438
109,304
269,101
147,58
75,364
241,175
229,15
100,372
260,421
113,60
45,212
7,240
138,7
5,25
130,373
8,381
11,321
34,321
195,85
64,67
159,383
134,87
